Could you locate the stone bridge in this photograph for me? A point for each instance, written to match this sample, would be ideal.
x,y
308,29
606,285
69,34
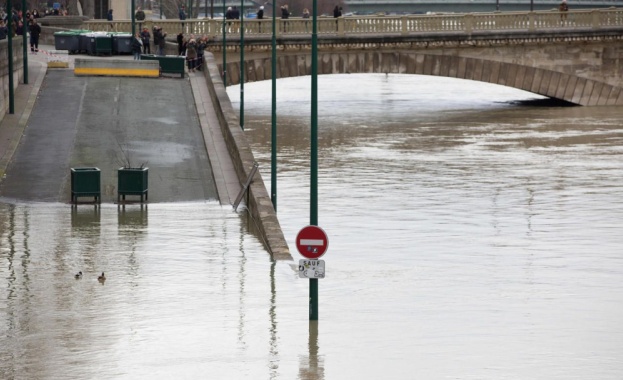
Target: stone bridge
x,y
575,56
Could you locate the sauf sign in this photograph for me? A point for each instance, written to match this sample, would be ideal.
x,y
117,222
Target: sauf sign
x,y
312,242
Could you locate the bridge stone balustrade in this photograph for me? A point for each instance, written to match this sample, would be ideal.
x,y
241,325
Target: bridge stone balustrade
x,y
386,25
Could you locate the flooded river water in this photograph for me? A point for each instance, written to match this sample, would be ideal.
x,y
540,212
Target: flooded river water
x,y
473,235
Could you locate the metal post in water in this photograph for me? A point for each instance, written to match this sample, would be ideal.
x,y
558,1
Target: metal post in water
x,y
242,64
313,200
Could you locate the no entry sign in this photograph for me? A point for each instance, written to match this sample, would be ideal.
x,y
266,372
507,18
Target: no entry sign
x,y
312,242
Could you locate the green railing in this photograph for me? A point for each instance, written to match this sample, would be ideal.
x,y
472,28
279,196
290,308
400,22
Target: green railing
x,y
386,25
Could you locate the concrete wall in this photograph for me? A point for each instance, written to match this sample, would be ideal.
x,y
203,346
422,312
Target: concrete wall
x,y
18,71
259,203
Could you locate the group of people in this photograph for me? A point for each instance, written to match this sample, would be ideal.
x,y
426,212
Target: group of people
x,y
193,48
141,42
33,29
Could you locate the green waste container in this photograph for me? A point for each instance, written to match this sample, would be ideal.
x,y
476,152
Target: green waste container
x,y
67,40
121,43
132,181
103,44
85,182
172,64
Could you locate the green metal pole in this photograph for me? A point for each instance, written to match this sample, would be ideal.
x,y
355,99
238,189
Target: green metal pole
x,y
25,40
313,198
273,155
224,45
133,19
242,64
9,8
161,9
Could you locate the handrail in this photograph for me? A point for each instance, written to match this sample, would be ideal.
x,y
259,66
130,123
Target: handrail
x,y
386,25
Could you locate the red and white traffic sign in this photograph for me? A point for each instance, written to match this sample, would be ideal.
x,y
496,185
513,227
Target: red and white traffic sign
x,y
312,242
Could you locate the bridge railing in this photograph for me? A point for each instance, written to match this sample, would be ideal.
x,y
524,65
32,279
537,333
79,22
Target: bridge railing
x,y
380,25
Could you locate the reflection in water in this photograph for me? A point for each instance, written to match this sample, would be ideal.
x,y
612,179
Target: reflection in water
x,y
312,366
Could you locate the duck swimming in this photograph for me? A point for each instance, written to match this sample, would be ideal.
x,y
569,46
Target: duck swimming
x,y
78,275
101,278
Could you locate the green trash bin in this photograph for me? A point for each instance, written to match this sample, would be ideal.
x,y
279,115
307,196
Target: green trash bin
x,y
67,40
132,181
103,44
85,182
121,43
171,64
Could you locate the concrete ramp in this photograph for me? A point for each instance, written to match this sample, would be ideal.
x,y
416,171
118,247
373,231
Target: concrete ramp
x,y
116,67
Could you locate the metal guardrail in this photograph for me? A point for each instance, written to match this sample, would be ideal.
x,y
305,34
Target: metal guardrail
x,y
468,23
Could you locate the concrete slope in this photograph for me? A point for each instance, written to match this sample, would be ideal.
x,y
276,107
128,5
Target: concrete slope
x,y
108,123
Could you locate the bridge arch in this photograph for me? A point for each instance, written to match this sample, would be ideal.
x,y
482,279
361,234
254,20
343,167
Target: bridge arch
x,y
542,81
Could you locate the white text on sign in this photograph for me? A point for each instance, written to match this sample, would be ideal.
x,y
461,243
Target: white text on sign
x,y
311,268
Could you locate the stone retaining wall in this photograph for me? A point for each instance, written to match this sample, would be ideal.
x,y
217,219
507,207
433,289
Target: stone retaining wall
x,y
18,70
259,203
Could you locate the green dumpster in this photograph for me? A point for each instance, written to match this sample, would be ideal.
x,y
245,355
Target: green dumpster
x,y
172,64
103,44
85,182
67,40
121,43
132,181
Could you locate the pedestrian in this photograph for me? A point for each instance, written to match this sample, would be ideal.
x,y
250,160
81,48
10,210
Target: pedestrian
x,y
285,14
337,13
180,43
3,30
145,37
140,17
563,8
35,31
260,16
110,18
202,43
182,15
137,46
161,41
235,13
306,17
191,55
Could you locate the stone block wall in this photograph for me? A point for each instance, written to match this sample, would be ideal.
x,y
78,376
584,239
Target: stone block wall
x,y
18,71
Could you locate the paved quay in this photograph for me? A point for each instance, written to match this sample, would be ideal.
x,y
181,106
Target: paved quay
x,y
63,121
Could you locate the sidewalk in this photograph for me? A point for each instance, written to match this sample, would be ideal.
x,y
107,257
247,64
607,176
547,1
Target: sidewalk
x,y
12,125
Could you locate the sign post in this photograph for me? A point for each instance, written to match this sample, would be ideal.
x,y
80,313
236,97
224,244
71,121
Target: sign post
x,y
312,242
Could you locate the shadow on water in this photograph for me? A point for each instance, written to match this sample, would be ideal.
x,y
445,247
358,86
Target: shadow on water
x,y
546,102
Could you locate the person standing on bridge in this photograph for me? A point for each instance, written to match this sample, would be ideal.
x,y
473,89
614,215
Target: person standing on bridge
x,y
140,17
563,8
145,37
337,13
137,46
306,17
182,15
35,31
260,16
285,14
110,18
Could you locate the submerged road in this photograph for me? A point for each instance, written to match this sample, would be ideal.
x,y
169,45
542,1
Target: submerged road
x,y
108,123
